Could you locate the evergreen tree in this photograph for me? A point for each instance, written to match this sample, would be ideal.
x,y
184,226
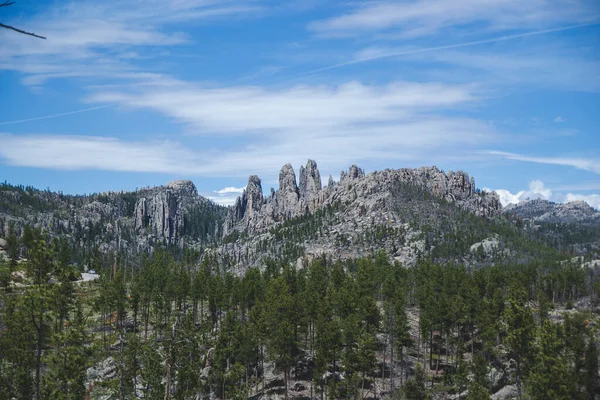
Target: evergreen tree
x,y
550,376
520,335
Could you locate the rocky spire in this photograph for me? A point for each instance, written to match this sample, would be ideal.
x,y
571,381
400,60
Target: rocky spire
x,y
310,180
254,196
353,173
287,195
310,185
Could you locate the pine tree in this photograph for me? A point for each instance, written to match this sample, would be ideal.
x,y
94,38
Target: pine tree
x,y
68,362
282,346
550,376
415,387
520,327
591,366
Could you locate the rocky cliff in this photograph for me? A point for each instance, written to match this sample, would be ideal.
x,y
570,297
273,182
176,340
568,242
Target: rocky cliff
x,y
539,210
344,211
254,212
572,227
115,221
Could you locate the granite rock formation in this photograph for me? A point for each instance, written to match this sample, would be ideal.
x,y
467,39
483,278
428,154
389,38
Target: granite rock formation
x,y
362,202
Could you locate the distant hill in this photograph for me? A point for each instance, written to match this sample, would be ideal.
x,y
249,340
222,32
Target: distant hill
x,y
411,214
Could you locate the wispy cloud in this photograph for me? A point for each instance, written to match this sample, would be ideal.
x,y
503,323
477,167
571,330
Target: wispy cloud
x,y
378,53
336,124
230,190
98,153
559,119
53,115
95,39
309,110
427,17
413,140
586,164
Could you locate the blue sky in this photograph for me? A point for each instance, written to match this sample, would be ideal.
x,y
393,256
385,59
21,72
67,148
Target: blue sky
x,y
131,93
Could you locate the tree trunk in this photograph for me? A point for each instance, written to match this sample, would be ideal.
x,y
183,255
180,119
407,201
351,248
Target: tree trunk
x,y
38,362
392,364
286,374
169,365
122,368
519,391
431,350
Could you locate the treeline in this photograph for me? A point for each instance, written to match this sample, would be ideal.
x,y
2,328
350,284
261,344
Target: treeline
x,y
360,328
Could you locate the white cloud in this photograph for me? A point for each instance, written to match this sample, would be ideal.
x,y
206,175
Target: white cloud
x,y
222,200
84,152
592,199
336,125
305,109
230,190
226,196
559,119
538,190
426,17
580,163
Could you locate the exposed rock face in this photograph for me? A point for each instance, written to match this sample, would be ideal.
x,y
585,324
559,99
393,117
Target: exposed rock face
x,y
249,203
310,185
115,221
162,211
287,197
539,210
366,201
353,173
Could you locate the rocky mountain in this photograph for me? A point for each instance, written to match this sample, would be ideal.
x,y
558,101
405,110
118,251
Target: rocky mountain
x,y
116,221
539,210
410,214
572,227
254,212
359,214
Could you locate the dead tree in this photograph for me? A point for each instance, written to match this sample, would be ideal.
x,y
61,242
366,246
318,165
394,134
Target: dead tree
x,y
10,3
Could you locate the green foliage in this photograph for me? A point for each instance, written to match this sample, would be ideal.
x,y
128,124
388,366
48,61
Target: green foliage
x,y
550,377
199,329
415,387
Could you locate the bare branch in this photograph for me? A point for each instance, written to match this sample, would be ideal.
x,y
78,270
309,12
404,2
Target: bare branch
x,y
7,3
20,31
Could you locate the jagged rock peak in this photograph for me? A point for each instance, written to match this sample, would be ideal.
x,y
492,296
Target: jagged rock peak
x,y
163,210
254,195
460,181
253,183
354,172
183,185
287,179
310,180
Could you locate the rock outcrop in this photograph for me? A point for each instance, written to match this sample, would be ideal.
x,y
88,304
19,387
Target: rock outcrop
x,y
247,205
115,221
287,197
161,210
539,210
310,186
367,201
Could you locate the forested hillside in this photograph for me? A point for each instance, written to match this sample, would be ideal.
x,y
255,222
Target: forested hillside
x,y
405,284
364,328
113,224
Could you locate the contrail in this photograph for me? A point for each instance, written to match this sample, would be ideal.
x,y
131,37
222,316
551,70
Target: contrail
x,y
450,46
54,115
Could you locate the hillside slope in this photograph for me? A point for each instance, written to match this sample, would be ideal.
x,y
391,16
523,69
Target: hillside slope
x,y
410,213
114,222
